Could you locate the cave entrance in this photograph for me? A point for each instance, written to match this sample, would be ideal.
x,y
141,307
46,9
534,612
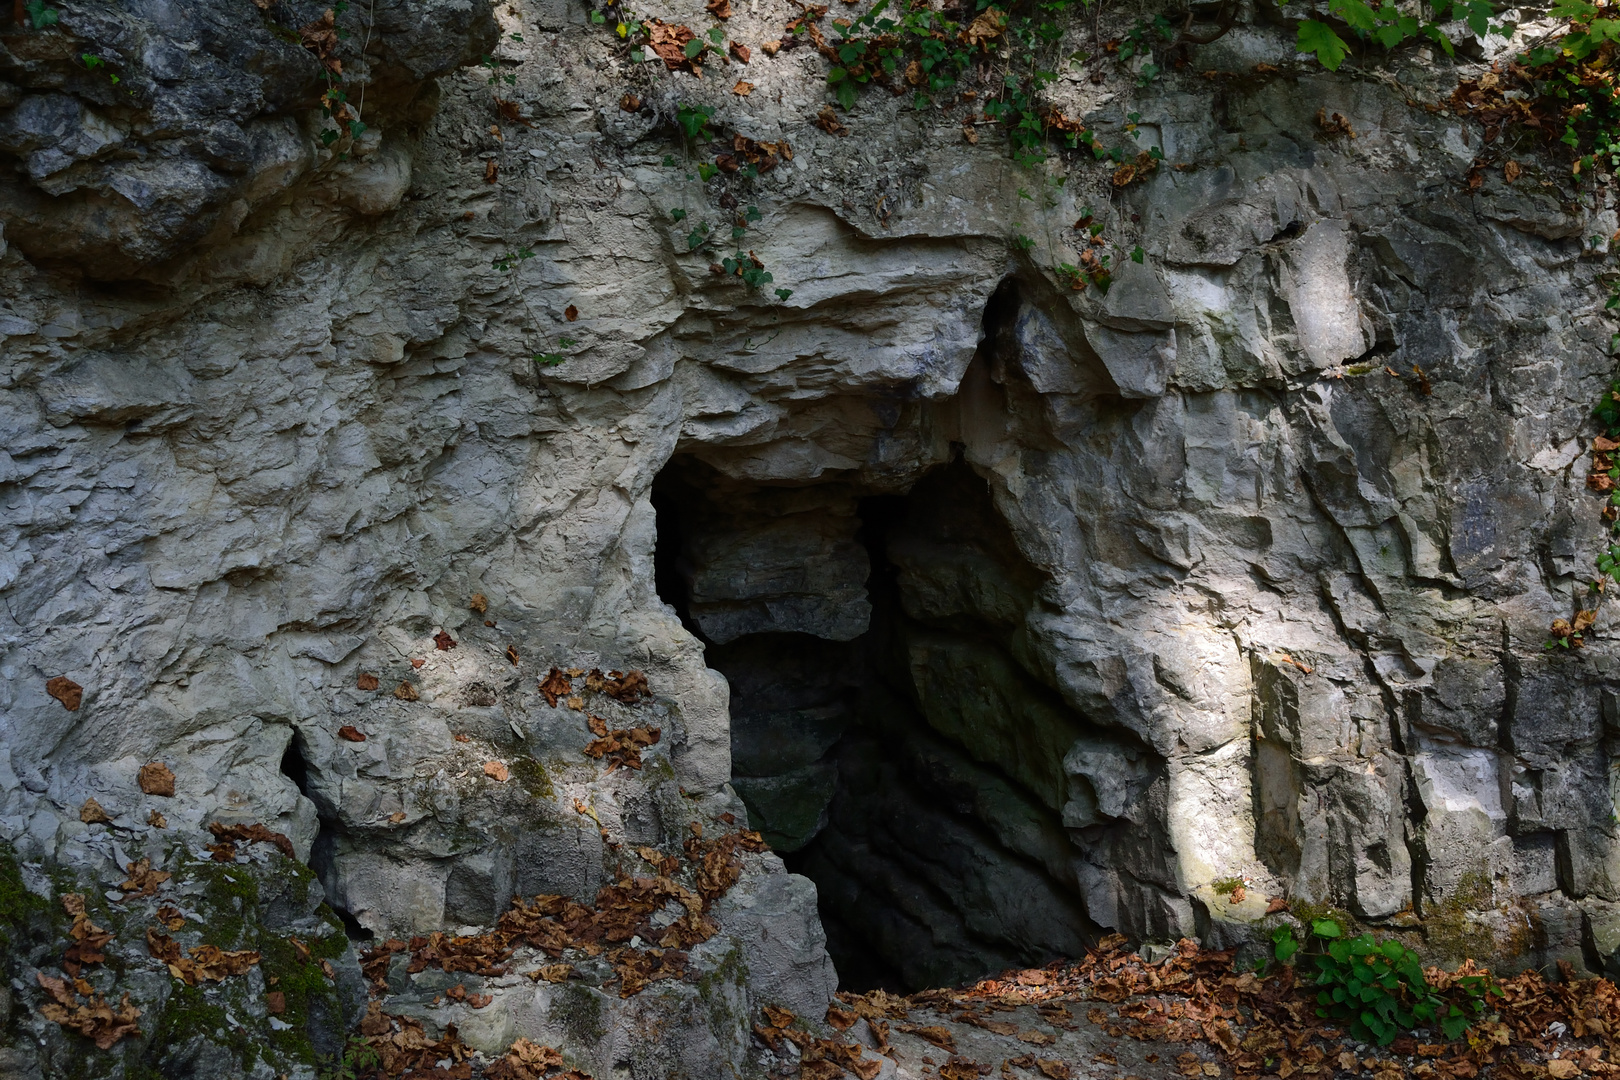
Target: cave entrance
x,y
888,736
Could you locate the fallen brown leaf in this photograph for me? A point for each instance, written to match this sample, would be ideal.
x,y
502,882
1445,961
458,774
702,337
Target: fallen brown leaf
x,y
65,690
366,681
827,121
555,685
155,778
253,834
350,733
496,770
91,813
743,89
142,880
95,1019
669,43
552,973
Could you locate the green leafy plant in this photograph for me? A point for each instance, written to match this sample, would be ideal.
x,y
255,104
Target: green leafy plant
x,y
1389,26
921,48
1378,988
505,262
39,15
357,1060
694,121
498,74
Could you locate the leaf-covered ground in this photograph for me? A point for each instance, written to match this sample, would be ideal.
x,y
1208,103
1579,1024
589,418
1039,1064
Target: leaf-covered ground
x,y
1113,1014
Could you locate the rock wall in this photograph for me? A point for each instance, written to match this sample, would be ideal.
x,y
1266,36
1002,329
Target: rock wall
x,y
1042,611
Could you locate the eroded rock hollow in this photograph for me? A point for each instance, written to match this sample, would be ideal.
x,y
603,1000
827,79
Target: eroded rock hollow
x,y
353,473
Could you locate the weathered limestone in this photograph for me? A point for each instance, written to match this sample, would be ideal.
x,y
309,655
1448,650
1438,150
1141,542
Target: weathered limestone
x,y
1042,610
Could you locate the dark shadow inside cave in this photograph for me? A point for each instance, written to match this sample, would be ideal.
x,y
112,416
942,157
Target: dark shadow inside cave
x,y
295,767
885,736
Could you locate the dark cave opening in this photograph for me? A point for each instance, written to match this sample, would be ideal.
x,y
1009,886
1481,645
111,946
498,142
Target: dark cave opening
x,y
886,737
295,767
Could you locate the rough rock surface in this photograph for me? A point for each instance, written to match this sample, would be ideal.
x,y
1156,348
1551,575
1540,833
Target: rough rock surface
x,y
1015,612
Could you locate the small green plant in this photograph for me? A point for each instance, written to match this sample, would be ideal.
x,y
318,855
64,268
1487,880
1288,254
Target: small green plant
x,y
505,262
39,15
357,1060
498,74
694,121
1378,988
1226,886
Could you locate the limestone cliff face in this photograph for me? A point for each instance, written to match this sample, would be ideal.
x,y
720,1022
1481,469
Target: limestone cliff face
x,y
1012,612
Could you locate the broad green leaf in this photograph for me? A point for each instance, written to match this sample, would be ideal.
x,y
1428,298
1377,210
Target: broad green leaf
x,y
1572,9
1319,38
1326,928
1356,13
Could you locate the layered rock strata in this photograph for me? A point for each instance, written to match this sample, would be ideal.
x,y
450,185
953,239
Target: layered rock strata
x,y
1044,611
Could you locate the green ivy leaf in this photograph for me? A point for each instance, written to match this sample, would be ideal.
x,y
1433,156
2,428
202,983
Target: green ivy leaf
x,y
693,47
1319,39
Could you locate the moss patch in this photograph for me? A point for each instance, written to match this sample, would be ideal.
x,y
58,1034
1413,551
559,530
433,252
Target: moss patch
x,y
533,776
18,907
189,1016
231,895
579,1009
